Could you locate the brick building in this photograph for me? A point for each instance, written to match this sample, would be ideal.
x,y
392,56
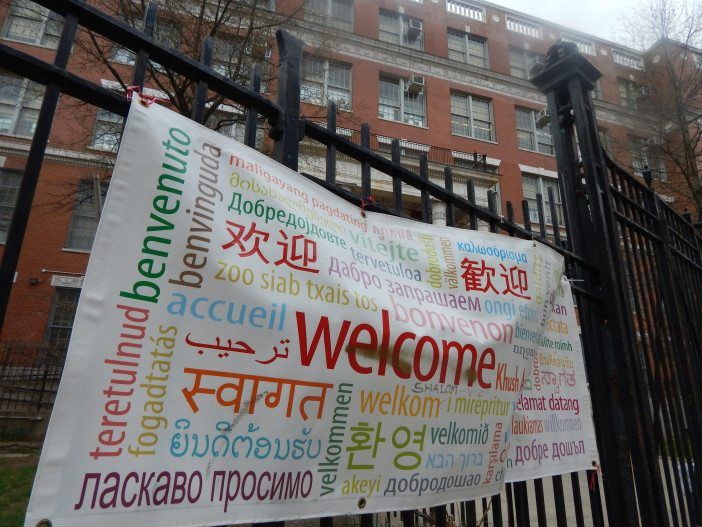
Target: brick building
x,y
449,78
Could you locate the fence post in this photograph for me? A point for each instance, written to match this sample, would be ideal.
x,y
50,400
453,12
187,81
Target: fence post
x,y
287,144
619,394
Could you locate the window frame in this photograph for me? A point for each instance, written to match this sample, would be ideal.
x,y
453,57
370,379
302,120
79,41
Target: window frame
x,y
639,147
116,121
324,99
469,37
7,177
401,104
20,105
527,56
76,214
51,324
237,129
471,115
631,89
46,15
401,22
534,131
543,190
328,15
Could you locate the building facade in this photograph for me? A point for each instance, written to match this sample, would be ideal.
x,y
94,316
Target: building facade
x,y
449,78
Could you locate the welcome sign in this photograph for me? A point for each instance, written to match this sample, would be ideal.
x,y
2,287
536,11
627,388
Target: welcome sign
x,y
249,347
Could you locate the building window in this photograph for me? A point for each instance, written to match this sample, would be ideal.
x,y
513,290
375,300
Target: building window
x,y
584,45
337,13
20,101
233,125
233,59
471,116
530,135
464,9
9,188
84,221
533,185
628,93
63,311
325,81
400,29
29,22
107,131
522,62
397,103
597,91
519,25
647,153
467,48
630,60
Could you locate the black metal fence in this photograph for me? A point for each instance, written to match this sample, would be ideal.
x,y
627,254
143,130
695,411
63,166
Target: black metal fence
x,y
29,378
635,265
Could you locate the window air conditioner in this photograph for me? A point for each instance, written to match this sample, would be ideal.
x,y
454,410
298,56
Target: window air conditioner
x,y
413,29
645,90
543,118
414,85
655,141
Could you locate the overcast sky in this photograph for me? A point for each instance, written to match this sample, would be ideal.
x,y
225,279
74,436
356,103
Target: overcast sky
x,y
596,17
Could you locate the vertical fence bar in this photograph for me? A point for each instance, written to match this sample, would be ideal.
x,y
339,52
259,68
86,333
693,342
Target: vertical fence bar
x,y
470,192
540,502
251,114
526,214
577,500
554,217
365,166
521,500
510,505
396,183
200,98
492,207
448,185
542,218
424,174
142,58
287,136
30,178
330,166
559,502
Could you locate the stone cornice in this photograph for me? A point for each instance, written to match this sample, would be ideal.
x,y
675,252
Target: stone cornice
x,y
69,157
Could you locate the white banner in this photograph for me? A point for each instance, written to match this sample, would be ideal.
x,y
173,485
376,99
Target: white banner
x,y
552,428
249,347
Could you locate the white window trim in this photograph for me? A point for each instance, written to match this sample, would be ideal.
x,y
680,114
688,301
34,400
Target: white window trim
x,y
18,109
466,38
470,117
6,25
544,196
402,21
535,131
325,85
327,16
401,82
